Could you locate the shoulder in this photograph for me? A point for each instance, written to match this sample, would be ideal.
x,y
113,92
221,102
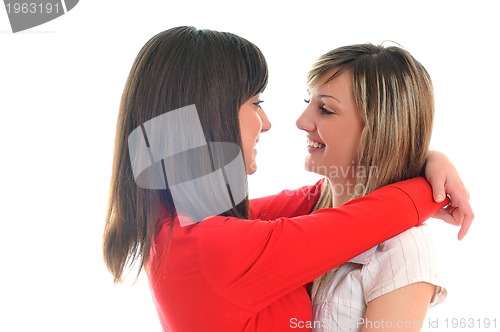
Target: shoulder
x,y
415,241
407,258
411,250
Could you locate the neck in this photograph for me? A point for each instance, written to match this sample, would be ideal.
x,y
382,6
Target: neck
x,y
342,190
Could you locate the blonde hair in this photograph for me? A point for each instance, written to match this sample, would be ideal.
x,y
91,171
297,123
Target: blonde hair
x,y
394,95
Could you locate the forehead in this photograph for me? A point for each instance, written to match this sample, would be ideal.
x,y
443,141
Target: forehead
x,y
333,78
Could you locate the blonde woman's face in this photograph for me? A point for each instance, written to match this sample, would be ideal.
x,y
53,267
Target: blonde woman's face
x,y
253,121
333,126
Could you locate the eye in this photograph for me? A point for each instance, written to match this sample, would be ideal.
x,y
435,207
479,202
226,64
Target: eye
x,y
307,100
324,111
257,103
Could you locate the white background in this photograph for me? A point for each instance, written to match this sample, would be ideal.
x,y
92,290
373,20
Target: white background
x,y
60,88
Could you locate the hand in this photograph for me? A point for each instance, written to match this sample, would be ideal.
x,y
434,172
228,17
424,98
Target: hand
x,y
445,181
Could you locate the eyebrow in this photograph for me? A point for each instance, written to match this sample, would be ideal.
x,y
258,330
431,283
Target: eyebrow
x,y
328,96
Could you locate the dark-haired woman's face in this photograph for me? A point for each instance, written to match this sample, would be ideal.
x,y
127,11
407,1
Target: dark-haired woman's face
x,y
253,121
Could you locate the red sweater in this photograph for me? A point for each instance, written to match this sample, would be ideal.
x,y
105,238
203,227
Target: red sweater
x,y
228,274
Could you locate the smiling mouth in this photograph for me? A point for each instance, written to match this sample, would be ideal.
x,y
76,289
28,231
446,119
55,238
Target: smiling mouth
x,y
314,144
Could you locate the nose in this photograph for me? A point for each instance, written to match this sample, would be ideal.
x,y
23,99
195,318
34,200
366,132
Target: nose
x,y
266,124
305,122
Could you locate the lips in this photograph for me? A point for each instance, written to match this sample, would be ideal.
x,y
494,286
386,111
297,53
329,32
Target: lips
x,y
315,144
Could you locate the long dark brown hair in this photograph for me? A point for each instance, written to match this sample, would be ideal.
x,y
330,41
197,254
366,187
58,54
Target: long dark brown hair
x,y
215,71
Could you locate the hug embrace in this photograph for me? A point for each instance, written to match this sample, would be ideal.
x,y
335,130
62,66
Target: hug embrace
x,y
189,120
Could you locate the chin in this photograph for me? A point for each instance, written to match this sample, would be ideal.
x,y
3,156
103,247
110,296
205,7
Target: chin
x,y
309,165
251,169
318,169
251,166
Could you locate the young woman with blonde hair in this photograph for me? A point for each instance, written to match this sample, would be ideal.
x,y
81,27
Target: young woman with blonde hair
x,y
369,123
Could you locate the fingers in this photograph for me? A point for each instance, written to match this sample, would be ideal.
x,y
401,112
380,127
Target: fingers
x,y
461,211
438,194
455,214
466,222
445,216
458,216
438,187
445,181
437,170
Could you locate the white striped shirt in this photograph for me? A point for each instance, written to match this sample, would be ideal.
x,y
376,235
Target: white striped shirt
x,y
340,303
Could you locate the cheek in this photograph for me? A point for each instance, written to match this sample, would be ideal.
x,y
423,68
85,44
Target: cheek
x,y
353,145
250,126
344,147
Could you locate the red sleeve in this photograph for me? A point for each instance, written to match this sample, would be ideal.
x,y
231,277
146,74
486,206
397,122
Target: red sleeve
x,y
253,263
288,203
